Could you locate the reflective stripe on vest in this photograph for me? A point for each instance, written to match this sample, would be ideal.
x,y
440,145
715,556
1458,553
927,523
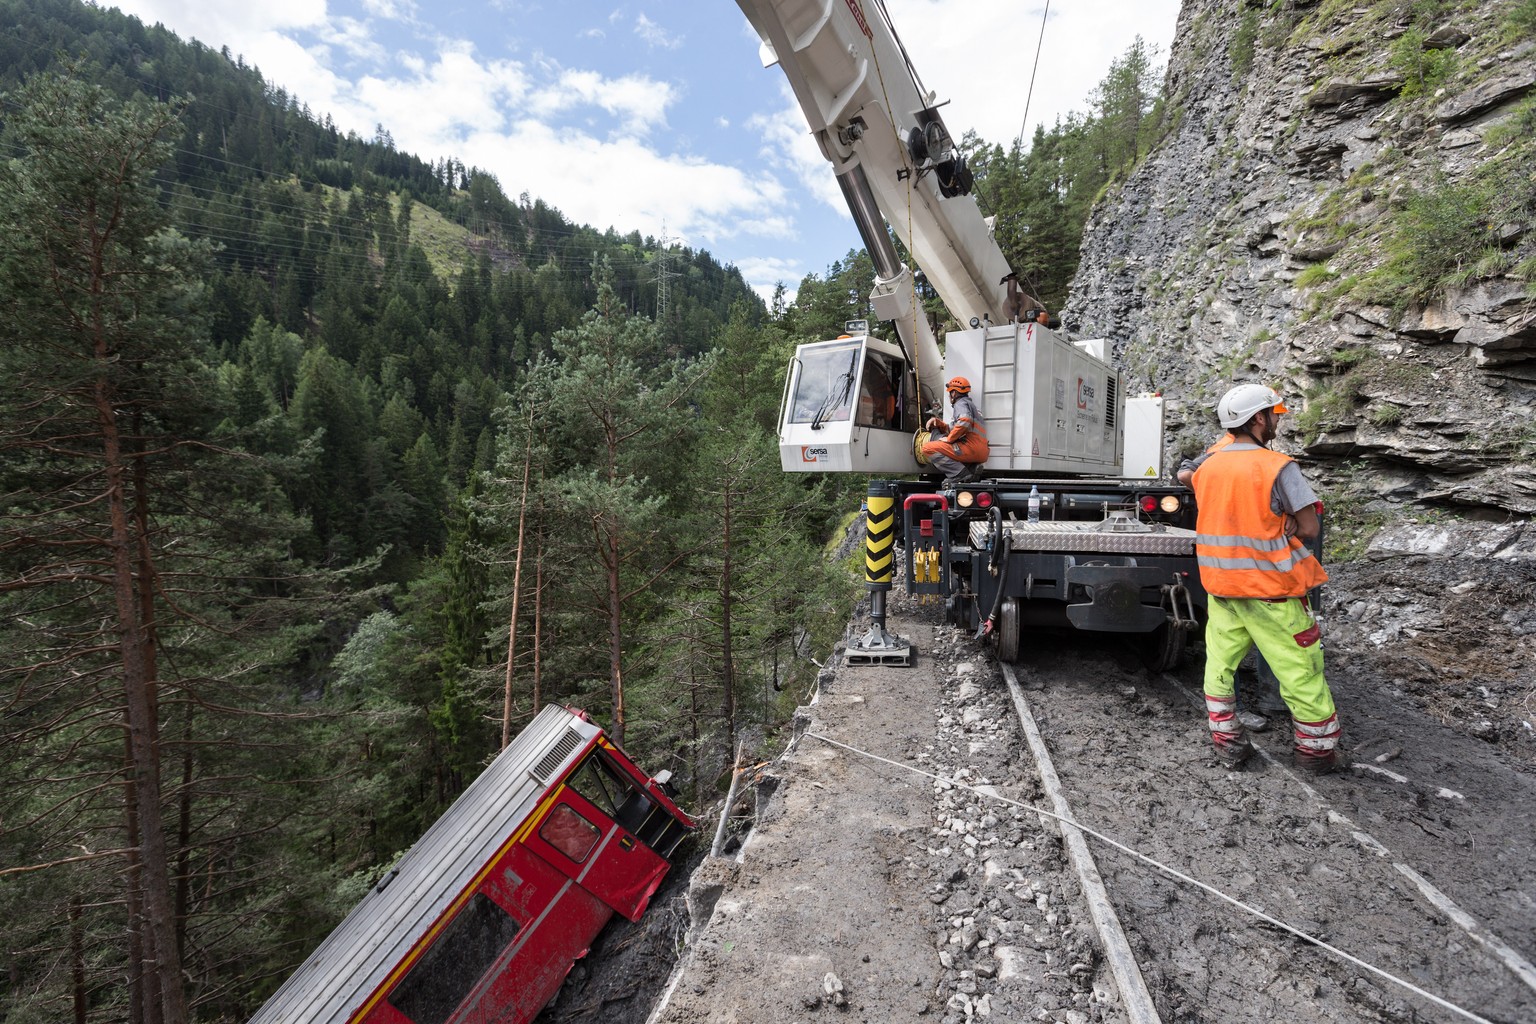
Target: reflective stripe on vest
x,y
1240,541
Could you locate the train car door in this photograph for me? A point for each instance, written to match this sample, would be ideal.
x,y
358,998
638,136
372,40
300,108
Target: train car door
x,y
583,834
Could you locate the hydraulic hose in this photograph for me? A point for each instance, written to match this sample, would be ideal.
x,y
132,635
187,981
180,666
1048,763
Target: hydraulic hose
x,y
999,570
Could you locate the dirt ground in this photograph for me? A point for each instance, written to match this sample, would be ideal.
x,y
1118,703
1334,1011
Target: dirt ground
x,y
868,890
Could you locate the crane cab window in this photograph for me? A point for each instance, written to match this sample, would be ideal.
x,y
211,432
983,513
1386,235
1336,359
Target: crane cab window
x,y
880,403
446,973
824,386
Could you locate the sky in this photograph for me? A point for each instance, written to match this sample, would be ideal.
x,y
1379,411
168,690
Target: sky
x,y
653,116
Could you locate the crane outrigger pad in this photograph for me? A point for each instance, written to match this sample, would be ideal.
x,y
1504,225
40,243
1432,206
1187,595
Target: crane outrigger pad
x,y
877,647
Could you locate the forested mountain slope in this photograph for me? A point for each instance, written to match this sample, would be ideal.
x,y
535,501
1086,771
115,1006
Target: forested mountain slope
x,y
296,429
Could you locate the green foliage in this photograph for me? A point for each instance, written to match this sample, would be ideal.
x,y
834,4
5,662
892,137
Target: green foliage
x,y
1328,404
1424,69
1041,197
322,378
1314,275
1351,526
1243,40
1520,22
1515,129
1447,234
1387,414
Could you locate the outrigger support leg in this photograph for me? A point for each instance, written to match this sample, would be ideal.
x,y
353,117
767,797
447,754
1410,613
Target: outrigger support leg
x,y
876,646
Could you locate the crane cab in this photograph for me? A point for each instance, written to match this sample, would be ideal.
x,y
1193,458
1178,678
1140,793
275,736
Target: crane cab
x,y
850,405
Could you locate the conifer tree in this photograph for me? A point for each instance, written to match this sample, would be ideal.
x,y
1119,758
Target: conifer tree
x,y
99,372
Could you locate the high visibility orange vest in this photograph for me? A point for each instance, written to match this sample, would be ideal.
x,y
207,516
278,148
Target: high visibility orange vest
x,y
1240,541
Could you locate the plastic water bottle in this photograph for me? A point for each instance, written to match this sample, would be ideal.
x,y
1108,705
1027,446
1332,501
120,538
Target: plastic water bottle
x,y
1034,503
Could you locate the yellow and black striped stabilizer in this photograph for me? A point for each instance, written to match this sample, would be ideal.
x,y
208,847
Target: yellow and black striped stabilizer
x,y
880,536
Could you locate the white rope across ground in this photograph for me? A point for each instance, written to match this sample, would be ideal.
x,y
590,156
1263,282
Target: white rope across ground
x,y
1174,873
1517,964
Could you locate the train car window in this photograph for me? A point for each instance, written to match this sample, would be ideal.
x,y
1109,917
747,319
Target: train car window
x,y
616,795
569,832
595,780
466,949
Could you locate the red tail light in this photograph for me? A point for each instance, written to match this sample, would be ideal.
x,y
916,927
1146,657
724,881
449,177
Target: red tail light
x,y
1148,503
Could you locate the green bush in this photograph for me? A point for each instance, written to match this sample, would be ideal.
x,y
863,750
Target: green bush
x,y
1424,70
1242,47
1442,235
1387,415
1315,275
1521,21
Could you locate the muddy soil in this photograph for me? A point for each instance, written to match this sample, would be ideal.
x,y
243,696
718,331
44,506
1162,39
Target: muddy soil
x,y
867,889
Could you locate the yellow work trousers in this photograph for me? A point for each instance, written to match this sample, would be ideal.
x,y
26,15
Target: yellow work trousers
x,y
1287,635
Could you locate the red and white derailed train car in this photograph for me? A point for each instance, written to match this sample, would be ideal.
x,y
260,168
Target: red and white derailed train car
x,y
484,916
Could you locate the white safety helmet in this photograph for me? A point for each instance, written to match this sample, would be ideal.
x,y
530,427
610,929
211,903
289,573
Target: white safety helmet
x,y
1239,405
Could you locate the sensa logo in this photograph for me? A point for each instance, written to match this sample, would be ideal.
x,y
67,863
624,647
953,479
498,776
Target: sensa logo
x,y
809,454
1084,393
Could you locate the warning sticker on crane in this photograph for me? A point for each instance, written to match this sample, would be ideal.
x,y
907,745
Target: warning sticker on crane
x,y
1151,471
1035,449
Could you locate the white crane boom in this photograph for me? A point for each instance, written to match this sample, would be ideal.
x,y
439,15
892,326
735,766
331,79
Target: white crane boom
x,y
871,119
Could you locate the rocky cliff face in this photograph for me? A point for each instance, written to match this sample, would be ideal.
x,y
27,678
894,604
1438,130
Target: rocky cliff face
x,y
1342,208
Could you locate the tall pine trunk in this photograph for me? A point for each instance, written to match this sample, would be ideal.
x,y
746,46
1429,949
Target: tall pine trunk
x,y
137,663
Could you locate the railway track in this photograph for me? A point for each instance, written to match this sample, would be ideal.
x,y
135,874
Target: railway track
x,y
1402,891
905,866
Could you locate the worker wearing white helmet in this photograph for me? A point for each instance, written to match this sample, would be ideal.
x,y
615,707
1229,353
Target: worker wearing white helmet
x,y
1256,516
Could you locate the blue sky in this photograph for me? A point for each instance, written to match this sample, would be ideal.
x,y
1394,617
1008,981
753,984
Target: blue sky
x,y
652,116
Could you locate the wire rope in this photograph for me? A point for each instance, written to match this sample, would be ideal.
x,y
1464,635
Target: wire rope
x,y
1172,872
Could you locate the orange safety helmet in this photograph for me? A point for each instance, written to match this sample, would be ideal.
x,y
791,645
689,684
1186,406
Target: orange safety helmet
x,y
958,384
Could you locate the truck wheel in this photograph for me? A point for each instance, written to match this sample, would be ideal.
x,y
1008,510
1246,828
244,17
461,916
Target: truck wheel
x,y
1163,648
1008,631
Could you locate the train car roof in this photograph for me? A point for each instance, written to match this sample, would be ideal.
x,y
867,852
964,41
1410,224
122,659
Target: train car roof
x,y
355,958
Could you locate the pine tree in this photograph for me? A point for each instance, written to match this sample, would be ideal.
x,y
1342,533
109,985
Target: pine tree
x,y
100,374
612,412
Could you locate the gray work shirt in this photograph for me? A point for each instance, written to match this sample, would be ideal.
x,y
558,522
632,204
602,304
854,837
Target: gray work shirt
x,y
1291,493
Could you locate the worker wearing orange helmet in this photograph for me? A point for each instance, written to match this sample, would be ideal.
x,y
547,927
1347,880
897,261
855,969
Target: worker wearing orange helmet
x,y
963,448
1256,516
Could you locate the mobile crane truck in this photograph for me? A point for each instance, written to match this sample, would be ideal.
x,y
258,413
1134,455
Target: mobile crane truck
x,y
1072,522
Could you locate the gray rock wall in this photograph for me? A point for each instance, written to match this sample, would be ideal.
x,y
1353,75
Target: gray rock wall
x,y
1257,242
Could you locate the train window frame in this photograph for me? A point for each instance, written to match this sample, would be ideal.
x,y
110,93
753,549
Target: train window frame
x,y
596,781
456,961
562,828
610,790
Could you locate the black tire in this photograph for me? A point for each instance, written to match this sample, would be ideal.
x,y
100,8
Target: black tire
x,y
1008,631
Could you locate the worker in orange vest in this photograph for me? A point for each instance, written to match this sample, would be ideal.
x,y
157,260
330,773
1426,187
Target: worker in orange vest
x,y
1256,516
962,450
1250,712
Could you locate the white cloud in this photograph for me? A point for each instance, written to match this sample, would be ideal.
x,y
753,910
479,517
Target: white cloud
x,y
624,184
787,145
353,37
638,101
394,10
655,36
988,83
456,93
764,274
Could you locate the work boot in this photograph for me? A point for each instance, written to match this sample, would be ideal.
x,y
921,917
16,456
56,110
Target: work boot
x,y
1322,763
1253,721
1234,753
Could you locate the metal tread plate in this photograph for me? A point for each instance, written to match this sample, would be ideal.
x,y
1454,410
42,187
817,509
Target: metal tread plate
x,y
1096,538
